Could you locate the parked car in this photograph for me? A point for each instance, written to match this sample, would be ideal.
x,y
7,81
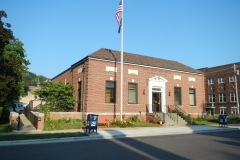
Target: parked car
x,y
16,107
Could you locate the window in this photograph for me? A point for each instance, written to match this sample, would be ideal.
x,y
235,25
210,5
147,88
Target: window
x,y
222,97
132,93
223,110
211,98
233,97
221,80
192,97
234,111
177,96
210,81
232,79
110,92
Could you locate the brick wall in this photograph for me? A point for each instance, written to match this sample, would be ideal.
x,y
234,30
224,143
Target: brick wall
x,y
224,71
65,77
61,115
96,76
36,118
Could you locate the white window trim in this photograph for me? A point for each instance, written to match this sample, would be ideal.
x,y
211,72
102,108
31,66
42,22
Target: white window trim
x,y
210,81
235,97
211,97
221,96
232,79
223,109
221,80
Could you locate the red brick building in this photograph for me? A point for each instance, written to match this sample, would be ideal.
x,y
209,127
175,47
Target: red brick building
x,y
149,85
221,90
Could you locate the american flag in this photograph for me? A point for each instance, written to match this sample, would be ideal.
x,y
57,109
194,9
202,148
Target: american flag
x,y
119,10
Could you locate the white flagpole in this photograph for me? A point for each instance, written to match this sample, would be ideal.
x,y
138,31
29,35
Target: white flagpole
x,y
121,94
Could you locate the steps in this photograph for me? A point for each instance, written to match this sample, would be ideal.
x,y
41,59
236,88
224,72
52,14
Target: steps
x,y
26,125
171,119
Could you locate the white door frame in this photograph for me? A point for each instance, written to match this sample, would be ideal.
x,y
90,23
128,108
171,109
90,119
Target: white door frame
x,y
159,83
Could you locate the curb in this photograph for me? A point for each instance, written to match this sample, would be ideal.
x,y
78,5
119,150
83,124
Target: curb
x,y
122,133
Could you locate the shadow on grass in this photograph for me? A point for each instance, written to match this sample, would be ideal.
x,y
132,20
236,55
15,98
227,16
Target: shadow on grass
x,y
11,137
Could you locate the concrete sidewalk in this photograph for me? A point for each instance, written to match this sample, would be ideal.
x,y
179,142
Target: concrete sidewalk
x,y
156,131
109,133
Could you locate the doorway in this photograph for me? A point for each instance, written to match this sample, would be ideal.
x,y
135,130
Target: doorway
x,y
157,94
157,101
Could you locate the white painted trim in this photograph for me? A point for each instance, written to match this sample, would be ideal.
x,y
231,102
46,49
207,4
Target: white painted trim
x,y
145,66
159,82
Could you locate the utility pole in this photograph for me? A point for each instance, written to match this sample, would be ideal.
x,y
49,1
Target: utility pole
x,y
236,87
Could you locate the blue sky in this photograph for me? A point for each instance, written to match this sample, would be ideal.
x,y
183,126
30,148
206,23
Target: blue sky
x,y
58,33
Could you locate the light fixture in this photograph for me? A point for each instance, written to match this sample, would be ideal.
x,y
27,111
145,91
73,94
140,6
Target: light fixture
x,y
144,91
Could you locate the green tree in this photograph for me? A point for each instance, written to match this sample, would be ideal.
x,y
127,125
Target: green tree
x,y
5,32
58,96
12,63
31,79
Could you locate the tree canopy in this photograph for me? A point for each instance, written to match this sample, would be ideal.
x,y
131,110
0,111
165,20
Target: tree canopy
x,y
13,63
32,79
58,96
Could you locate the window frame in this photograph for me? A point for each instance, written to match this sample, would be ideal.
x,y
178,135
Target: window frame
x,y
135,89
194,96
223,110
112,96
234,111
232,79
233,96
210,81
221,80
211,98
222,97
178,95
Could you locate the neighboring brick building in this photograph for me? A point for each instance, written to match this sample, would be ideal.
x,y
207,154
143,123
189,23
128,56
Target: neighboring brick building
x,y
149,85
220,89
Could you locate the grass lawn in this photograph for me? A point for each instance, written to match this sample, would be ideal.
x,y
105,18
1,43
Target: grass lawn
x,y
144,124
204,123
12,137
63,124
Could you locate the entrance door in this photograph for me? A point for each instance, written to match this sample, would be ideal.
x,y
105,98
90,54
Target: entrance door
x,y
157,101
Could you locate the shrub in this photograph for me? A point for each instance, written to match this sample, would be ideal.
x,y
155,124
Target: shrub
x,y
44,108
155,120
7,128
134,118
124,123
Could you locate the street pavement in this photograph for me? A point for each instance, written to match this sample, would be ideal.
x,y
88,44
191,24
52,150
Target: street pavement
x,y
109,133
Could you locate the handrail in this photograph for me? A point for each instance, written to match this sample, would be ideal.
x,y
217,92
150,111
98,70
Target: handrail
x,y
181,110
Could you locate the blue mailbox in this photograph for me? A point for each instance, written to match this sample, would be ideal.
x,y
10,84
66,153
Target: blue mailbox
x,y
222,120
92,122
